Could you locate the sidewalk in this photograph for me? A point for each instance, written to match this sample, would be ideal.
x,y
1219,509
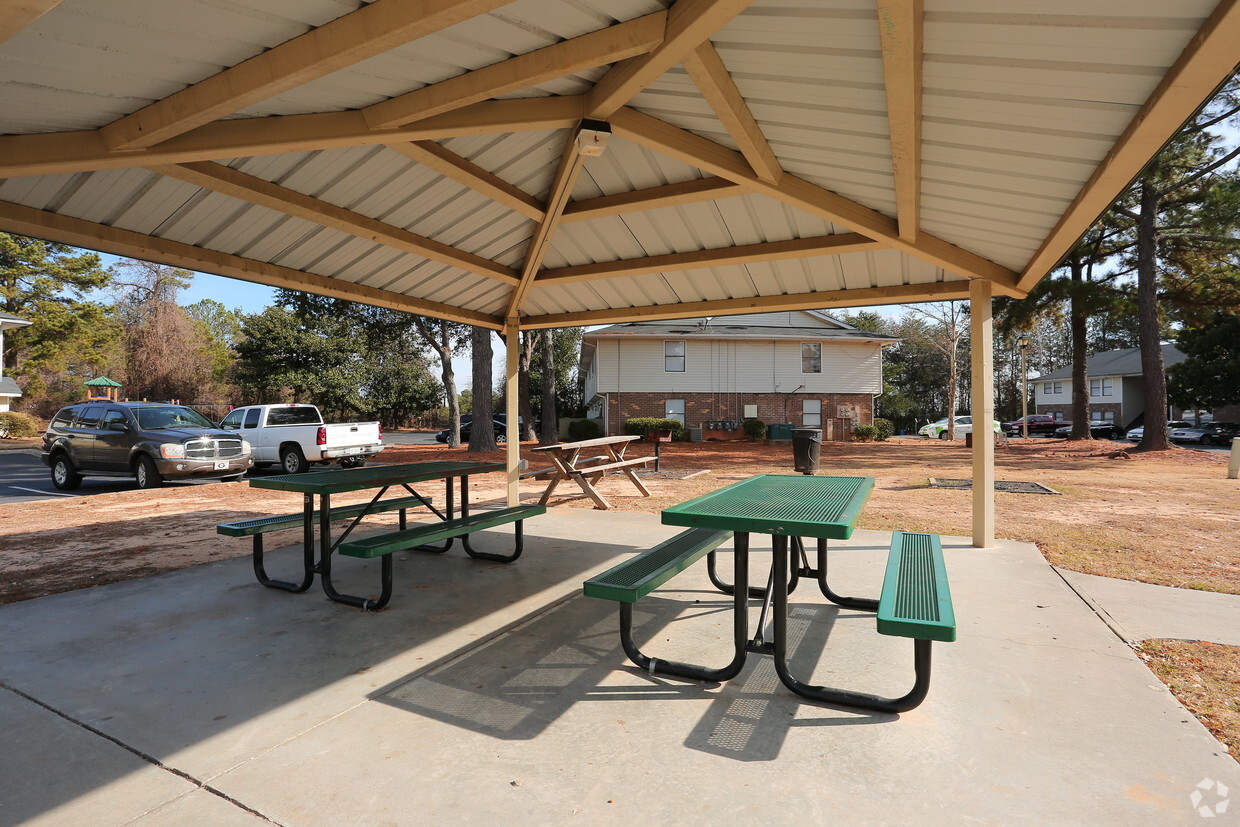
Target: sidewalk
x,y
497,694
1141,611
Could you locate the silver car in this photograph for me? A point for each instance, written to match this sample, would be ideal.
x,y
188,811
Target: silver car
x,y
1138,432
1193,433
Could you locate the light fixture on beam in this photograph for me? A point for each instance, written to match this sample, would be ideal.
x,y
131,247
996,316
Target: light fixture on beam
x,y
592,137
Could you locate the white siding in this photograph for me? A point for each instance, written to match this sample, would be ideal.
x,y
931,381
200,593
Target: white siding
x,y
790,318
748,366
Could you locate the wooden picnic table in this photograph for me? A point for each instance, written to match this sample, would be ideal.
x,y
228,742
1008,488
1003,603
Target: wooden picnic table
x,y
569,465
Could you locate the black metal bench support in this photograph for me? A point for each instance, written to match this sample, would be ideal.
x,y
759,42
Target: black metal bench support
x,y
827,695
740,633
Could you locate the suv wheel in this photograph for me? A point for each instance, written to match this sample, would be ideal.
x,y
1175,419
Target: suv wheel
x,y
64,476
146,473
293,461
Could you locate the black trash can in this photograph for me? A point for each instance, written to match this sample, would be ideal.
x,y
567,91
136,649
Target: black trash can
x,y
806,449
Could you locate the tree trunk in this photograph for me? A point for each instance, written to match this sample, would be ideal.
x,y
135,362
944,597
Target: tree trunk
x,y
529,338
482,429
951,390
444,348
549,433
1080,373
1155,437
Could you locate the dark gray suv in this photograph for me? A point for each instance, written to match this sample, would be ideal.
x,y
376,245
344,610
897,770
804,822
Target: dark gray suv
x,y
149,441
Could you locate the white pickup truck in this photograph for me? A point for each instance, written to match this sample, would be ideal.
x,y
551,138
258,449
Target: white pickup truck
x,y
295,436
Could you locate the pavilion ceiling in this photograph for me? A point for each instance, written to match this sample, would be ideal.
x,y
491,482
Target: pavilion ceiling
x,y
763,155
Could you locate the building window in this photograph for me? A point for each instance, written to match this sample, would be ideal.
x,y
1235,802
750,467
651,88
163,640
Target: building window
x,y
1101,387
1058,387
1104,416
811,413
674,357
811,357
1058,415
674,409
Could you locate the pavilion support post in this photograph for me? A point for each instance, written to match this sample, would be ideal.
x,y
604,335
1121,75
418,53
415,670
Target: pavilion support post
x,y
981,335
512,340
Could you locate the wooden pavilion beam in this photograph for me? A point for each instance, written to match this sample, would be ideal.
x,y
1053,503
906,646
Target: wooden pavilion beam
x,y
723,256
615,43
900,294
450,165
571,162
668,195
716,85
797,192
63,152
371,30
1206,62
689,24
16,15
900,29
228,181
54,227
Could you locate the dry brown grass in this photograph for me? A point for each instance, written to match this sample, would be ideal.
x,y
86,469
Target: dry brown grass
x,y
1205,677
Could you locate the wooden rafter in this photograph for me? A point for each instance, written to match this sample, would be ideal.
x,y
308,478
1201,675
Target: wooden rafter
x,y
566,174
63,152
40,224
716,85
615,43
797,192
689,23
16,15
450,165
901,294
229,181
371,30
720,257
900,24
668,195
1207,61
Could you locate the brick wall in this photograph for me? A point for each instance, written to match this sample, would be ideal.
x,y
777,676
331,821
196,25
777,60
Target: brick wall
x,y
703,407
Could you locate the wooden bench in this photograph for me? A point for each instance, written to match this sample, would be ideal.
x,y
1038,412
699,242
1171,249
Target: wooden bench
x,y
385,545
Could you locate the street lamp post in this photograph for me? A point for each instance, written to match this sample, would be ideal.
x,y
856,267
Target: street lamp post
x,y
1023,344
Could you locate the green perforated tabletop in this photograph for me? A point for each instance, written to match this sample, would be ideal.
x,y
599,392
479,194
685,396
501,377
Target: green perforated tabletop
x,y
376,476
795,505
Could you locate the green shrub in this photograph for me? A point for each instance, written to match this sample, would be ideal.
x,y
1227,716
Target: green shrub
x,y
14,425
584,429
864,433
640,425
884,429
755,428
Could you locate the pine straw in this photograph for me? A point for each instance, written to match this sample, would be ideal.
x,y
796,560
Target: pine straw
x,y
1205,677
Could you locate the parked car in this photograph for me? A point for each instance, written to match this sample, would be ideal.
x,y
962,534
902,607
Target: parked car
x,y
1098,429
1138,432
1221,433
296,436
1039,425
1192,433
501,431
149,441
964,425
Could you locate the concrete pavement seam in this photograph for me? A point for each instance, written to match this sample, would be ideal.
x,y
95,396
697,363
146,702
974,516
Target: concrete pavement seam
x,y
150,759
1114,625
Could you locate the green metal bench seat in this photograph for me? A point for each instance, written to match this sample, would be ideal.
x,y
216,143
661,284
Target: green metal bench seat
x,y
280,522
415,538
639,576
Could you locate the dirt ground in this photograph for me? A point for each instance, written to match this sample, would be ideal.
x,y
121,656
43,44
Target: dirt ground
x,y
1168,517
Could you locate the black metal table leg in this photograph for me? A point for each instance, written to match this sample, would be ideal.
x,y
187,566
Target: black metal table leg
x,y
448,490
307,555
740,631
824,694
756,592
325,565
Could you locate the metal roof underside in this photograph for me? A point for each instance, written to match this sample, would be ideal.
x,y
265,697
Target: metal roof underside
x,y
768,155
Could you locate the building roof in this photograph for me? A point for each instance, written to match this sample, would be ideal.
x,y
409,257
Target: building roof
x,y
1125,362
721,329
101,382
763,155
8,321
8,387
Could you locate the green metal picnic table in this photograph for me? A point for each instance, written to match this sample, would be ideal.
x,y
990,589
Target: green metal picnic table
x,y
323,484
787,507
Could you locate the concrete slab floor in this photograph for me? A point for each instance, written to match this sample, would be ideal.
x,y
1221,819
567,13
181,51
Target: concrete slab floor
x,y
1141,611
490,692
